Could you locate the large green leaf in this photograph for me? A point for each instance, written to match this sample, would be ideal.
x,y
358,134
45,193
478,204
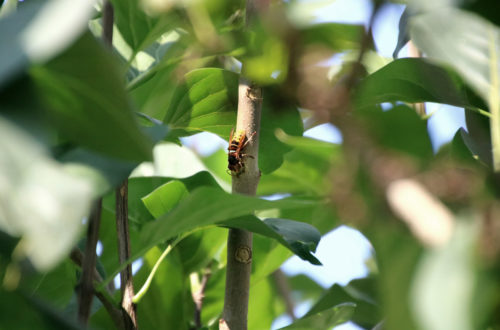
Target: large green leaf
x,y
325,319
204,207
165,306
86,100
366,314
301,238
470,45
276,114
400,129
206,101
413,80
303,170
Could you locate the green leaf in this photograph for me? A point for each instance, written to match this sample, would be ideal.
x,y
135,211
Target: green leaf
x,y
399,129
300,238
206,101
165,197
413,80
165,306
326,319
204,207
366,314
276,114
21,311
138,29
303,170
469,44
87,102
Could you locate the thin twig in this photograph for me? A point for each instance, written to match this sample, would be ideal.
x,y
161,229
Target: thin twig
x,y
107,301
284,290
127,286
86,287
198,299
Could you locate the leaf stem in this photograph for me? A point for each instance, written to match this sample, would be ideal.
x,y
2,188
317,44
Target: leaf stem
x,y
145,287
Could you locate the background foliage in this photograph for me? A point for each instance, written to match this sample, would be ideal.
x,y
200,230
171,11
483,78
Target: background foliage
x,y
77,119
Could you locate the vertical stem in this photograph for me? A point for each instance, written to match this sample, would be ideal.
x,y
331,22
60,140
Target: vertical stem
x,y
127,286
414,52
284,290
239,242
86,292
108,16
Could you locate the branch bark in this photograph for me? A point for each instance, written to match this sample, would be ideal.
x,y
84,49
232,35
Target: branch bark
x,y
86,288
114,311
127,286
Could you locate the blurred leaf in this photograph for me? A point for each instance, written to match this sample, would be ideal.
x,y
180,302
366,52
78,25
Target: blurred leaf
x,y
262,306
477,63
478,138
486,8
400,129
403,35
39,30
338,36
276,114
304,288
20,311
90,97
366,314
42,202
413,80
397,254
56,287
266,59
443,286
301,238
325,319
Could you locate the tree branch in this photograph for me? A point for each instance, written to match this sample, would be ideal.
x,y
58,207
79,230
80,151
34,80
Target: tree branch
x,y
284,290
86,288
113,310
198,297
239,242
127,286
